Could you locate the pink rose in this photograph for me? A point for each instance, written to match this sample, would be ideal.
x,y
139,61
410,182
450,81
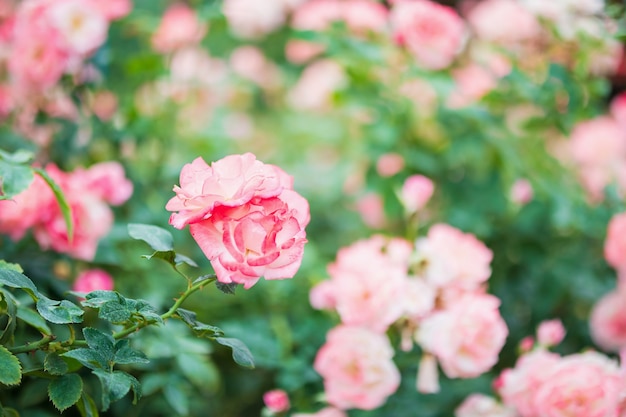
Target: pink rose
x,y
251,19
316,86
362,16
322,296
264,237
250,63
26,209
491,19
357,368
608,321
179,27
415,193
466,337
432,32
581,385
454,258
473,81
276,401
618,108
521,192
550,333
480,405
389,164
80,23
93,280
114,9
518,386
325,412
367,281
615,243
372,210
231,182
108,181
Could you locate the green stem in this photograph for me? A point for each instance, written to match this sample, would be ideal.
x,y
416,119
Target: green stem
x,y
28,347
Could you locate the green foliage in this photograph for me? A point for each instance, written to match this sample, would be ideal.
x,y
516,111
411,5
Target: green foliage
x,y
10,368
65,391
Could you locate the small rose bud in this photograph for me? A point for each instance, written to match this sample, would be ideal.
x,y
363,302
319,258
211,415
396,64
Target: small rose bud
x,y
276,401
550,332
92,280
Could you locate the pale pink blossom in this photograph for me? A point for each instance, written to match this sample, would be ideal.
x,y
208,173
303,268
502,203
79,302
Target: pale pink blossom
x,y
263,237
491,21
581,385
93,280
108,181
466,337
104,104
249,63
608,321
473,81
416,192
357,368
389,164
371,208
362,16
432,32
418,299
26,209
615,243
453,258
518,386
521,192
80,23
526,344
276,400
231,182
427,381
250,19
317,83
325,412
480,405
298,51
550,333
114,9
179,28
322,296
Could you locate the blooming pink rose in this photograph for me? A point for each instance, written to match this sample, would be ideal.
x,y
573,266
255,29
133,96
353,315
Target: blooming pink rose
x,y
325,412
608,321
490,20
231,182
466,337
480,405
179,27
26,209
276,400
418,298
581,385
80,23
264,237
432,32
108,181
357,368
389,164
521,192
454,258
368,280
550,333
518,386
114,9
615,243
93,280
415,193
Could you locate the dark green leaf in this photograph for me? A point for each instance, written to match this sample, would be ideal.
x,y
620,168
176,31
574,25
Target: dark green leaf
x,y
199,328
10,368
86,406
158,238
124,354
65,391
33,319
182,259
59,312
96,298
14,279
208,278
241,353
55,364
101,342
88,357
10,412
147,311
115,385
227,288
61,200
115,311
8,316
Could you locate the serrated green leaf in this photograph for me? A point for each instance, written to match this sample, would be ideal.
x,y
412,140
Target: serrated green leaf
x,y
115,311
11,278
55,365
228,289
33,319
65,391
87,406
10,368
147,311
95,299
66,210
241,353
59,312
8,265
14,178
100,342
115,385
158,238
124,354
199,328
88,357
172,258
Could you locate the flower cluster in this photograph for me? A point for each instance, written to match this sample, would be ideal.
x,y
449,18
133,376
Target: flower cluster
x,y
89,193
434,290
244,215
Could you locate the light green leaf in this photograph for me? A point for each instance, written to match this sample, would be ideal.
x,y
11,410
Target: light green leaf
x,y
176,398
59,312
241,353
60,197
158,238
7,265
10,368
115,385
116,312
21,156
199,328
33,319
65,391
11,278
8,316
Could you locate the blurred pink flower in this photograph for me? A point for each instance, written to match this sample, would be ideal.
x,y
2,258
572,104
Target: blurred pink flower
x,y
389,164
251,19
608,321
322,296
416,192
427,381
114,9
298,51
372,211
93,280
480,405
232,181
108,181
491,21
80,23
317,83
249,63
466,337
276,400
325,412
618,109
104,104
432,32
453,258
418,299
179,28
357,368
26,209
521,192
615,243
473,81
550,333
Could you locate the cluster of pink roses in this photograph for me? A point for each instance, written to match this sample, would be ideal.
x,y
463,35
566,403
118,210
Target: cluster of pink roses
x,y
89,193
433,290
244,215
543,383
